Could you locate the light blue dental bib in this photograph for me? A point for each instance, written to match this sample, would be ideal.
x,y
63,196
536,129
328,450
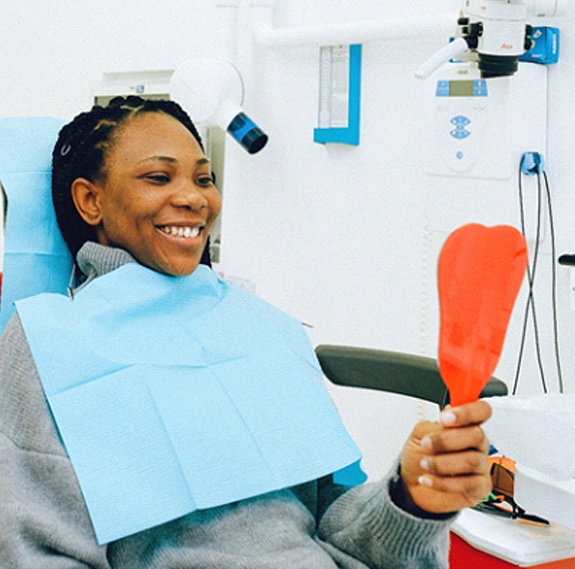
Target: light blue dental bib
x,y
173,394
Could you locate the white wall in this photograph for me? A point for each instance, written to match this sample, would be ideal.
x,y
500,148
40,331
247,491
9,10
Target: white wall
x,y
53,53
347,238
339,236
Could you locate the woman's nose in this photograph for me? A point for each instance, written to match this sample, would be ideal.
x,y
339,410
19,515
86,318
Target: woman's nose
x,y
189,195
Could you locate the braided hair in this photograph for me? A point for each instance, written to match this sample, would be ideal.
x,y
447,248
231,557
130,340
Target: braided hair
x,y
80,152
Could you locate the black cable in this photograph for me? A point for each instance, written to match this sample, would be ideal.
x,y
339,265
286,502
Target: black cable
x,y
531,271
526,314
554,281
532,283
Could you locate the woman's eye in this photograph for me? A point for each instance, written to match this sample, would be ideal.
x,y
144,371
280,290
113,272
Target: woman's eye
x,y
205,180
158,178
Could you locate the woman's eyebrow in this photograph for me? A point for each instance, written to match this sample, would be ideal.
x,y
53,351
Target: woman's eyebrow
x,y
170,160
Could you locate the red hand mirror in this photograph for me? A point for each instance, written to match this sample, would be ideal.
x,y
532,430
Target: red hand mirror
x,y
479,276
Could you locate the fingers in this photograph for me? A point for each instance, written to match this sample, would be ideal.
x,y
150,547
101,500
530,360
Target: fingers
x,y
461,430
461,491
453,480
444,464
470,414
451,470
462,464
456,440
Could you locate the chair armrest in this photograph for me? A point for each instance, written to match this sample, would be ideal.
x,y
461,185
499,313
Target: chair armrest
x,y
395,372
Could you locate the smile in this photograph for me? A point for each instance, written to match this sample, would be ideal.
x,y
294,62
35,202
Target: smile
x,y
174,231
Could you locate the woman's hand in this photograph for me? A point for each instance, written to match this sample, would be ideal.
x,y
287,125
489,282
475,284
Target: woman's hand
x,y
444,465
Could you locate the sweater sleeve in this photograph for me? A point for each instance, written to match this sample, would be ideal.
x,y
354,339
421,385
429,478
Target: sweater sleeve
x,y
366,524
43,518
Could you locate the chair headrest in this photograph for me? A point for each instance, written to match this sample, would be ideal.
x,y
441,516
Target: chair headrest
x,y
36,258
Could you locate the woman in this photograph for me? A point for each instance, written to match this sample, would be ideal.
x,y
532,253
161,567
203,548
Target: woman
x,y
135,201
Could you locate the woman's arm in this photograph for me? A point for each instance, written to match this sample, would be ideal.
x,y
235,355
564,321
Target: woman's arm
x,y
403,521
43,518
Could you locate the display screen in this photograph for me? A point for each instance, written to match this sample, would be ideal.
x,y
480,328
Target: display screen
x,y
461,88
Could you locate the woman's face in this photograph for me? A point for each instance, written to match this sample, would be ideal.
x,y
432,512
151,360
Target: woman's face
x,y
156,198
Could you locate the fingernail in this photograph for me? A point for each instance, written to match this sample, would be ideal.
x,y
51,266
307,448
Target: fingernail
x,y
447,418
426,443
425,464
425,481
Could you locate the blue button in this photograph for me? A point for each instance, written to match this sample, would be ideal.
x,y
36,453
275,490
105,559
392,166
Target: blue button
x,y
460,134
442,89
459,155
460,120
480,88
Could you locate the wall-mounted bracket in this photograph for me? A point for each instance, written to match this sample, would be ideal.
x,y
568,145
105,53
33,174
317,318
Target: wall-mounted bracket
x,y
340,95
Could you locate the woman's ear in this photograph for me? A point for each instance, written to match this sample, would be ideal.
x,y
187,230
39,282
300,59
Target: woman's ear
x,y
85,195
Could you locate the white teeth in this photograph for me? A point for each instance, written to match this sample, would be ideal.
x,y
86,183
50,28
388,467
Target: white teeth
x,y
181,231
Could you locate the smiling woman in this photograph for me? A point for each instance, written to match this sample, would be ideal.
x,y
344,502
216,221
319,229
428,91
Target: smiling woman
x,y
133,149
156,197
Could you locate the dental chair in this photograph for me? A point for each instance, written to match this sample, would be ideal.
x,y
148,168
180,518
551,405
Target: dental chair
x,y
36,260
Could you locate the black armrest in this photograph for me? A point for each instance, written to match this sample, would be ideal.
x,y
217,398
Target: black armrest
x,y
396,372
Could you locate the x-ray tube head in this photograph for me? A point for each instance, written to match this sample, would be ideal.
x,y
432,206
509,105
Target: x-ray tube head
x,y
212,92
247,133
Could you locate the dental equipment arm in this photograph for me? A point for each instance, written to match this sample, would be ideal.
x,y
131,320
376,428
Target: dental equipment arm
x,y
450,51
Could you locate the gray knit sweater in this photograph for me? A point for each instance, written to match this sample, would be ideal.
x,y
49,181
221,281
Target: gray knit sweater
x,y
44,523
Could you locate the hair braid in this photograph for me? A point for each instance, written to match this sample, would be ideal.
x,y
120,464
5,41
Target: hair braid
x,y
80,152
